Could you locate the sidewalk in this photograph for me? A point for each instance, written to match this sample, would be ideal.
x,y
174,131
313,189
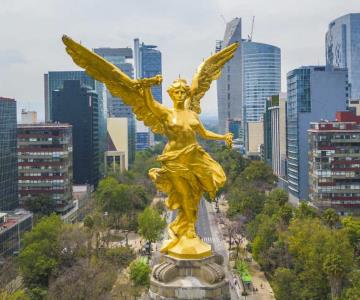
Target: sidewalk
x,y
264,290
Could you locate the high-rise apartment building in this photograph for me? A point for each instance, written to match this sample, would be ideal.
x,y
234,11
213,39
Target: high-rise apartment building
x,y
28,117
77,105
334,163
115,106
343,49
247,80
313,93
8,158
45,163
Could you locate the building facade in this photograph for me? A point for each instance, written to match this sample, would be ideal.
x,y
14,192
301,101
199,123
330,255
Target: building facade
x,y
45,163
8,159
116,158
313,93
115,106
77,105
28,117
13,225
278,134
54,80
343,51
247,80
334,163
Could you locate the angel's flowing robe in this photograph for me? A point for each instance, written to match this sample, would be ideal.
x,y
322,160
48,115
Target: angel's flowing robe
x,y
201,174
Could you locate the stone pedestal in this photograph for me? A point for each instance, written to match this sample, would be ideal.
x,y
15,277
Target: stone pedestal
x,y
190,279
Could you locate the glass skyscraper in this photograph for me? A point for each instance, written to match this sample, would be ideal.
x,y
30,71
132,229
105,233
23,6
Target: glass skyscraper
x,y
247,80
313,93
343,49
148,64
78,105
115,106
8,157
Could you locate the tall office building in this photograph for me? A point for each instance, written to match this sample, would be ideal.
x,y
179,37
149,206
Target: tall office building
x,y
115,106
45,163
54,80
147,60
229,87
77,105
8,158
247,80
313,93
343,49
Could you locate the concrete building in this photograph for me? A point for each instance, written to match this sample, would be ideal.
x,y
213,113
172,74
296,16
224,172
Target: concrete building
x,y
255,139
45,163
334,163
343,49
247,80
8,159
28,117
77,105
278,134
313,93
116,158
13,225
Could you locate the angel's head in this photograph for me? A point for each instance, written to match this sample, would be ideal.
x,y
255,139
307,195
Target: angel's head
x,y
179,91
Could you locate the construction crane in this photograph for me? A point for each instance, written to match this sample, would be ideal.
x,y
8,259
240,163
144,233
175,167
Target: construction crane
x,y
250,36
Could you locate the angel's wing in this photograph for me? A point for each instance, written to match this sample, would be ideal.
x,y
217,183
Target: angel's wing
x,y
208,71
117,82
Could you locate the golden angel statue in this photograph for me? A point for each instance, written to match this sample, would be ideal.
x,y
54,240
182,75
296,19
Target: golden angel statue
x,y
187,171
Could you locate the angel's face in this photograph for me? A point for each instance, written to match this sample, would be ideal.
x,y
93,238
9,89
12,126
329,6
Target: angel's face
x,y
179,95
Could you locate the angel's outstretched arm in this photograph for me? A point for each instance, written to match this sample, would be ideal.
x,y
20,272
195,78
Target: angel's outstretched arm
x,y
207,134
156,108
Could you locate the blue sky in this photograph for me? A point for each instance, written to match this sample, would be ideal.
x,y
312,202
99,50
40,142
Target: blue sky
x,y
185,31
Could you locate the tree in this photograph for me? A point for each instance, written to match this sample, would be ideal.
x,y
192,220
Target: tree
x,y
330,217
352,230
285,284
40,255
321,257
248,202
84,280
120,256
17,295
304,211
140,272
151,224
41,205
89,222
259,175
353,291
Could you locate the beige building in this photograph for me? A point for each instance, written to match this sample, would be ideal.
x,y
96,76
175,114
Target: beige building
x,y
255,138
28,117
116,156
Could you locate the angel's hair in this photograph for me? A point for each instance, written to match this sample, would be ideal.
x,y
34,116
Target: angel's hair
x,y
179,83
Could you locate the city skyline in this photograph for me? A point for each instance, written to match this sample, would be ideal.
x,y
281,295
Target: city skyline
x,y
33,46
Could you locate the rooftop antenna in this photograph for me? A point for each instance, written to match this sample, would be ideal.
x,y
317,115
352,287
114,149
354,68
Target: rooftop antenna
x,y
250,36
223,18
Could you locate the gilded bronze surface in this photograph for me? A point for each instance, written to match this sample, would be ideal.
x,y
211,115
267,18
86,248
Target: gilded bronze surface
x,y
187,171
